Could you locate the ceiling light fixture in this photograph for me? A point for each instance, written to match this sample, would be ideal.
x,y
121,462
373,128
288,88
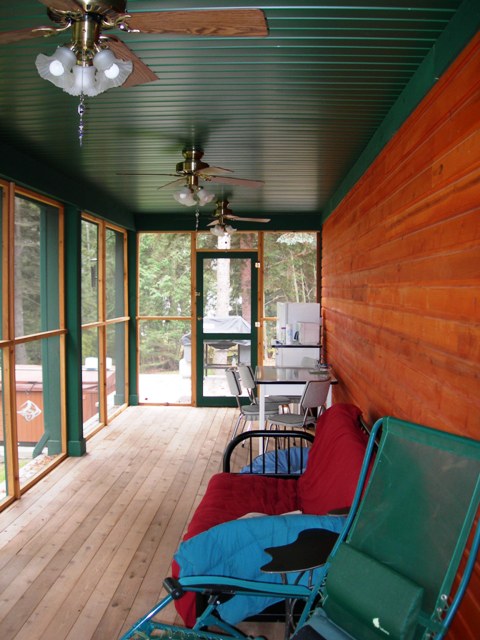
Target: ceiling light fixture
x,y
85,67
77,75
222,230
191,194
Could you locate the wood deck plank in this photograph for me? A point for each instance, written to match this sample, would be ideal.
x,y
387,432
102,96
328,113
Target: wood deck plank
x,y
84,553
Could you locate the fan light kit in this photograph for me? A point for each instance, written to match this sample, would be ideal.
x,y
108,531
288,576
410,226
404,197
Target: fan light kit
x,y
64,70
192,195
87,66
93,63
189,172
219,227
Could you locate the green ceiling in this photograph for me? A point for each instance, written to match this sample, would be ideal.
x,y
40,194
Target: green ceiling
x,y
299,109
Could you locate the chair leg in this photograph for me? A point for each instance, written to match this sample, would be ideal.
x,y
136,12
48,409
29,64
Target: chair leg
x,y
235,428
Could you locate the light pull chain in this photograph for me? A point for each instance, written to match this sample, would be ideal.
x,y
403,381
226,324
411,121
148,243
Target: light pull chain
x,y
81,112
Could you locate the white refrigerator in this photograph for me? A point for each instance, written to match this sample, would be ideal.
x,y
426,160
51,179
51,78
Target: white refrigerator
x,y
299,331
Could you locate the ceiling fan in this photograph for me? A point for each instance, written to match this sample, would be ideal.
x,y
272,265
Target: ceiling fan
x,y
219,226
89,19
190,171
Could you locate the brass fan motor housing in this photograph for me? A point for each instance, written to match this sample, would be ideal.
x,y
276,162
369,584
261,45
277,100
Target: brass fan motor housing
x,y
109,12
222,209
192,162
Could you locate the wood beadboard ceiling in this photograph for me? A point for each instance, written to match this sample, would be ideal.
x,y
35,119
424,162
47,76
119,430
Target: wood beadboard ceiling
x,y
294,109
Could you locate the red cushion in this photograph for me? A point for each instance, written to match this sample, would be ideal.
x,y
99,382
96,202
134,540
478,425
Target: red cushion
x,y
229,496
334,461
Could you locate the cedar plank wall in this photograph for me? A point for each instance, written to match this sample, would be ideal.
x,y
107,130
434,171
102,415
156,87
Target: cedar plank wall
x,y
401,276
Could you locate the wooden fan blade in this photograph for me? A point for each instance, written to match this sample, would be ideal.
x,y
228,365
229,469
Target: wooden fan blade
x,y
230,217
141,74
23,34
213,223
144,173
202,22
239,181
62,5
168,184
211,171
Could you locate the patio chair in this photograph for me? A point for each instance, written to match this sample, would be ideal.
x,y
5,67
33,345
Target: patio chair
x,y
248,413
312,404
247,379
391,570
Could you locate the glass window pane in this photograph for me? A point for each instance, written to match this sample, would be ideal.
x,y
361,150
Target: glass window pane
x,y
290,269
90,380
35,267
115,280
236,241
90,267
115,370
165,361
38,381
164,274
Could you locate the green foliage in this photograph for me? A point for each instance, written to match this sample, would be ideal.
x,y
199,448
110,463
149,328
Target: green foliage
x,y
89,271
36,294
164,290
27,268
165,274
161,344
165,287
290,269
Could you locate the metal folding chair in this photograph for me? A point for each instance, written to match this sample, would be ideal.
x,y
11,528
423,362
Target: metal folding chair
x,y
312,404
248,413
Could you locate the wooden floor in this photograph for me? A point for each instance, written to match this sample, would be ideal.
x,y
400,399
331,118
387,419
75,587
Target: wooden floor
x,y
84,552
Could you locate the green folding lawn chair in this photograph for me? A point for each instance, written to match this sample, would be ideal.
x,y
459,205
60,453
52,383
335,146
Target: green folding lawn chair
x,y
390,573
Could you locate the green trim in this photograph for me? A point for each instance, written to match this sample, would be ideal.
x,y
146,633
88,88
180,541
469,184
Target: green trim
x,y
252,256
76,442
50,347
120,346
38,176
76,449
186,222
132,312
460,30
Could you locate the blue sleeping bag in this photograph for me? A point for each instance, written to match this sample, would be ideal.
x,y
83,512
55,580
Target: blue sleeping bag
x,y
288,461
236,549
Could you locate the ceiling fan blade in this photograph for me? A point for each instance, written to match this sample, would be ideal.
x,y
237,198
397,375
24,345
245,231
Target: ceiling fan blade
x,y
202,22
145,173
141,73
62,5
230,217
239,181
213,223
9,37
169,184
211,171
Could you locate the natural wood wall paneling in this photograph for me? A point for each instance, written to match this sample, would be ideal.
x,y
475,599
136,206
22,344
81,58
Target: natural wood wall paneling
x,y
401,275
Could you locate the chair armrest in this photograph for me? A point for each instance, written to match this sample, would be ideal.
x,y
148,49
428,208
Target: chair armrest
x,y
244,448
